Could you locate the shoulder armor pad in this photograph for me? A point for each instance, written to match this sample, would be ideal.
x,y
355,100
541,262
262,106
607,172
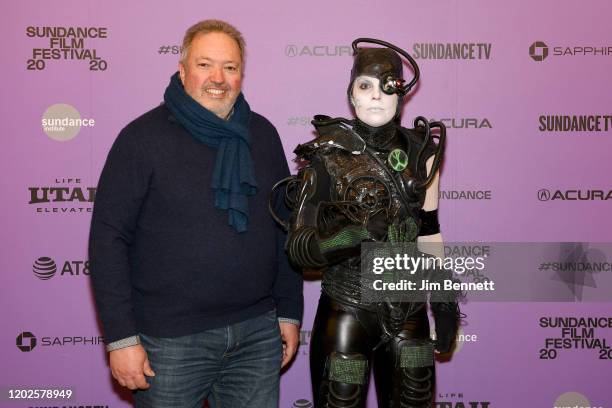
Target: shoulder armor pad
x,y
332,132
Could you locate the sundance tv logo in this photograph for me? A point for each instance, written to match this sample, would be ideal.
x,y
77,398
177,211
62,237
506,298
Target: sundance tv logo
x,y
62,122
545,194
452,51
575,123
26,342
539,51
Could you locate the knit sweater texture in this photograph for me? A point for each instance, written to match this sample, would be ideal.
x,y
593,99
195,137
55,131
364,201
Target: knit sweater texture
x,y
164,261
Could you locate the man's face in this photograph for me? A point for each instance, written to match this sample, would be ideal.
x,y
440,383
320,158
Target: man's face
x,y
372,106
212,72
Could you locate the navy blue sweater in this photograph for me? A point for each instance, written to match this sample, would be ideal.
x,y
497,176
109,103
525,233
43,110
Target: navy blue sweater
x,y
163,260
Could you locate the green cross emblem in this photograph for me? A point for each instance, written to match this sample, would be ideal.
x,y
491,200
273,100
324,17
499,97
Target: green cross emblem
x,y
398,159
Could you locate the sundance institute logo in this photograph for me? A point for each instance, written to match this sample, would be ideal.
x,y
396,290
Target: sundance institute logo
x,y
44,268
62,122
538,51
26,342
571,400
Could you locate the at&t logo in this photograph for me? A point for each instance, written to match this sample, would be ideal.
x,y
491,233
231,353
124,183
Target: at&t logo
x,y
45,268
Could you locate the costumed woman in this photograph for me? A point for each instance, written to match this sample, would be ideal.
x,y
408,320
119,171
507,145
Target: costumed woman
x,y
369,179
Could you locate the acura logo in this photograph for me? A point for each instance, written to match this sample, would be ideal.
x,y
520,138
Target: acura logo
x,y
543,195
291,50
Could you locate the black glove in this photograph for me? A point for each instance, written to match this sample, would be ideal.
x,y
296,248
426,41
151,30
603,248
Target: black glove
x,y
446,316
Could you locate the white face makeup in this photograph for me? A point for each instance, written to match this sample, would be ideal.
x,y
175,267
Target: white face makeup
x,y
372,106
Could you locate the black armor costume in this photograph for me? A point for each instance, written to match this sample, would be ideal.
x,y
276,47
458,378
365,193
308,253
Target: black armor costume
x,y
365,183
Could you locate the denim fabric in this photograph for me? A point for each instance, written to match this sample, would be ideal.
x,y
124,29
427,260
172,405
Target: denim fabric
x,y
234,366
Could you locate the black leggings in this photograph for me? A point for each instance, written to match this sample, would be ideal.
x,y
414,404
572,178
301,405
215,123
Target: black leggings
x,y
342,352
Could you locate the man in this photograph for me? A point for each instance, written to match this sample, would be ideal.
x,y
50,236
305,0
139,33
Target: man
x,y
188,270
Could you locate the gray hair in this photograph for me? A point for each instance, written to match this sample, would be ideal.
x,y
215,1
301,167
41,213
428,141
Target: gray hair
x,y
210,26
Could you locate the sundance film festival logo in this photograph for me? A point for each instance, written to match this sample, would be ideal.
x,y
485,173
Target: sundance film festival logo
x,y
45,268
452,51
292,50
66,43
66,196
575,123
539,51
62,122
545,194
575,333
26,342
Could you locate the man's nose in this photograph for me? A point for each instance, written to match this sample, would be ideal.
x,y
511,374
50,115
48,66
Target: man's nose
x,y
217,76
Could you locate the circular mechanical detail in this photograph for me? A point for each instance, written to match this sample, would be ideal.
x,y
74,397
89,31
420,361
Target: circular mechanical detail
x,y
370,192
398,160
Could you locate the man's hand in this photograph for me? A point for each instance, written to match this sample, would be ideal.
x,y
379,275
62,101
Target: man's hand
x,y
290,335
129,366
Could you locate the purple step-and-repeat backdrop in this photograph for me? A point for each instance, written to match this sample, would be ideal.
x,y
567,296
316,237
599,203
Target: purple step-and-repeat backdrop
x,y
524,88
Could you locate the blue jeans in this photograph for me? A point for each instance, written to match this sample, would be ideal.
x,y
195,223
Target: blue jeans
x,y
234,366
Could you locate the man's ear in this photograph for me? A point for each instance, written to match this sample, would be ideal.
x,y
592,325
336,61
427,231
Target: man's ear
x,y
182,72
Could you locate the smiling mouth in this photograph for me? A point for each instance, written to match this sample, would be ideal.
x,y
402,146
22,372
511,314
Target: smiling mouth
x,y
215,92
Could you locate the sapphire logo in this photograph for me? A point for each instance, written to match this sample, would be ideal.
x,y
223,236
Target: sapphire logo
x,y
538,51
26,342
44,268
